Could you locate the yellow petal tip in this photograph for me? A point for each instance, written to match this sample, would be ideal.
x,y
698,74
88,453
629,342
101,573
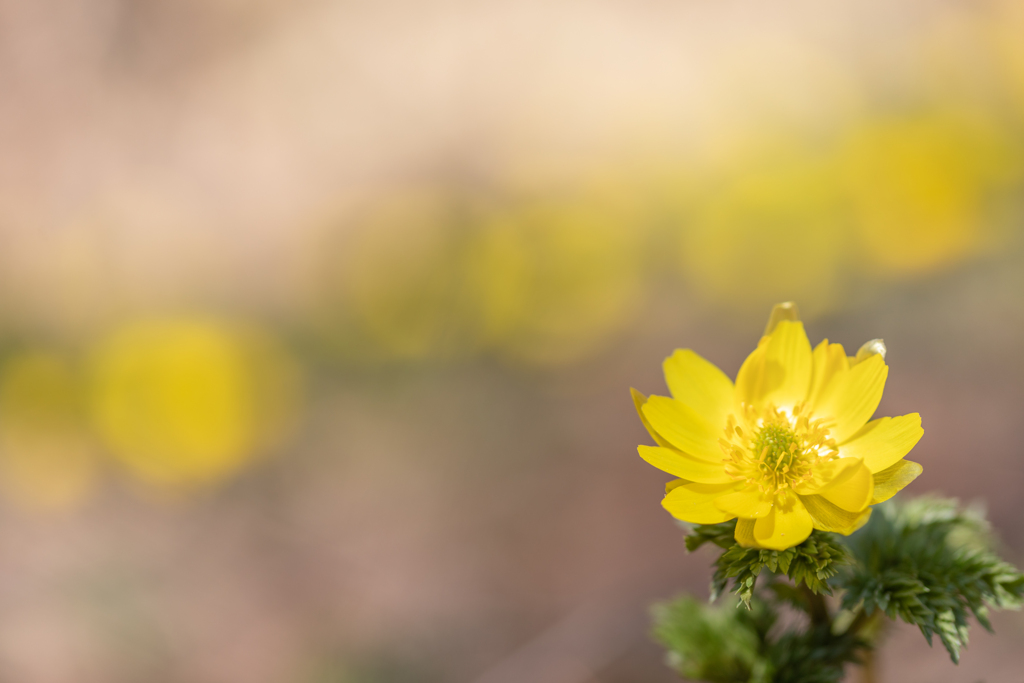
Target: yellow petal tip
x,y
787,310
875,347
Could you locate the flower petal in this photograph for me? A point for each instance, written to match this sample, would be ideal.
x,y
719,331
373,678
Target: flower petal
x,y
694,503
686,466
700,385
883,442
868,349
683,427
853,489
827,474
790,348
747,503
891,480
750,378
675,483
830,366
830,517
852,402
779,370
639,400
785,526
744,534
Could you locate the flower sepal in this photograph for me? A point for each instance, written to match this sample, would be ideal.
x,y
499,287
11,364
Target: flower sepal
x,y
811,563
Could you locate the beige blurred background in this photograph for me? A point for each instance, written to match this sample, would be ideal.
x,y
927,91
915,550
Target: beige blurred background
x,y
318,318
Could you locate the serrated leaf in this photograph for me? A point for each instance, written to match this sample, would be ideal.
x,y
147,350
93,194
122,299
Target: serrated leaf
x,y
812,563
931,564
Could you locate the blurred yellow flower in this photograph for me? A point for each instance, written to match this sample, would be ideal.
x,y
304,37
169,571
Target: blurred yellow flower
x,y
186,402
402,279
47,459
788,448
924,188
554,279
437,275
772,230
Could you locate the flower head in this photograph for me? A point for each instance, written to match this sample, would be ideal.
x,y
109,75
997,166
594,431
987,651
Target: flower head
x,y
184,403
786,449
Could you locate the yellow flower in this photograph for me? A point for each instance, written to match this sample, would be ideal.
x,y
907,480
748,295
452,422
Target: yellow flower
x,y
927,189
788,448
401,285
773,229
555,280
186,402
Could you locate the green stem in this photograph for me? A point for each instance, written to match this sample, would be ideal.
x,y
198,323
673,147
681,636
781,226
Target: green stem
x,y
868,673
869,664
816,607
859,622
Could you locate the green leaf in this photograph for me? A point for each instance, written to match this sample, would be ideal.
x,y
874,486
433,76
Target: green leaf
x,y
811,563
814,655
718,645
722,644
932,564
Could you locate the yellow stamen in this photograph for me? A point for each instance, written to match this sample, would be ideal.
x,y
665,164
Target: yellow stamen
x,y
778,450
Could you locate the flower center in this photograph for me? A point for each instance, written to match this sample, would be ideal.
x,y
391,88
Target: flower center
x,y
777,446
774,449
